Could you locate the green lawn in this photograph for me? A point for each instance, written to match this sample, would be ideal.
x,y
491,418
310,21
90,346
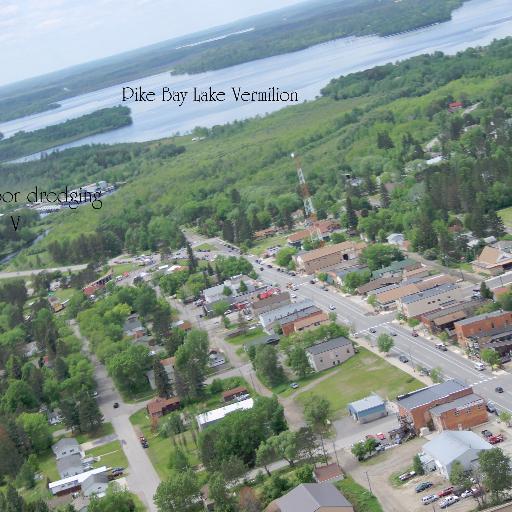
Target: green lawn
x,y
260,247
105,430
48,470
111,455
205,247
362,500
506,215
124,267
360,376
160,448
244,338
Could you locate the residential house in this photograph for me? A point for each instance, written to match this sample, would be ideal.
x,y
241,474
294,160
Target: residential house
x,y
422,302
321,229
70,465
265,233
312,321
329,353
368,409
95,485
270,318
323,497
65,446
493,261
414,407
235,394
73,483
467,328
451,446
209,418
55,417
276,300
396,239
182,325
290,319
159,407
469,410
329,257
133,327
168,364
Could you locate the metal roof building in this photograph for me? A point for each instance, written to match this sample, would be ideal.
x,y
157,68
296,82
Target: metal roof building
x,y
368,409
210,417
313,497
429,394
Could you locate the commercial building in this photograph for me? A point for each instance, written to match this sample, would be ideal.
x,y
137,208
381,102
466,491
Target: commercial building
x,y
311,321
376,284
396,268
211,417
414,407
479,324
270,318
329,256
434,298
499,339
329,353
323,497
445,319
267,304
368,409
455,446
468,410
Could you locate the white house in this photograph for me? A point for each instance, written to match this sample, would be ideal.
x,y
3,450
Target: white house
x,y
455,445
65,446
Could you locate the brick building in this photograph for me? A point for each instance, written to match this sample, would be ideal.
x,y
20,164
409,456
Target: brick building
x,y
479,324
159,407
415,408
465,412
311,321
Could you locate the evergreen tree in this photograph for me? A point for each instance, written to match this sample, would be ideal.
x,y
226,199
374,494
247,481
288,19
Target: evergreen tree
x,y
89,414
384,141
192,262
70,414
350,213
495,224
163,386
13,501
384,196
61,369
228,233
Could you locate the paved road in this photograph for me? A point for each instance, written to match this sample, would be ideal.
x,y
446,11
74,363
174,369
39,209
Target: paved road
x,y
25,273
142,478
421,350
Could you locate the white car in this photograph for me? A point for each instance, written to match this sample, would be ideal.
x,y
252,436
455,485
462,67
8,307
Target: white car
x,y
332,307
466,494
293,296
449,500
430,498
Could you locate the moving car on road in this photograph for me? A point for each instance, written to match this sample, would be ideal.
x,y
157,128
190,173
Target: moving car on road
x,y
332,307
499,389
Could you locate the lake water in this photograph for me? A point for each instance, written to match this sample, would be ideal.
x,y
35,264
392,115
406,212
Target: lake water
x,y
477,23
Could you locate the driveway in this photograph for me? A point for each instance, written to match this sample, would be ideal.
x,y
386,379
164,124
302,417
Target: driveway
x,y
142,478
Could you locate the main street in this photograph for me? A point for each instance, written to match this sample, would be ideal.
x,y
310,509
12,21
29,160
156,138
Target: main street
x,y
420,350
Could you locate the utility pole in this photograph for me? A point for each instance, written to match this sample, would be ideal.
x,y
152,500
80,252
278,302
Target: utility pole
x,y
335,452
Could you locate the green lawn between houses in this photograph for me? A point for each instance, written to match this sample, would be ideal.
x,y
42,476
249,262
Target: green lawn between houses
x,y
363,374
110,454
362,500
506,216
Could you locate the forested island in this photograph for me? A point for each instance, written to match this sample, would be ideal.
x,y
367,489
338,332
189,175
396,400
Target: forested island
x,y
366,148
26,143
278,32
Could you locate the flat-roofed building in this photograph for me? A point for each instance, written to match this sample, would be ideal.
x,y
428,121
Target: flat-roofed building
x,y
476,325
422,302
268,319
329,256
211,417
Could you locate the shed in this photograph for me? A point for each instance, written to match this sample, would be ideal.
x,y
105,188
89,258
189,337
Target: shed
x,y
368,409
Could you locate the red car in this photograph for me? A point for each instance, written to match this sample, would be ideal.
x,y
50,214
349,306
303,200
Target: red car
x,y
445,492
498,438
380,436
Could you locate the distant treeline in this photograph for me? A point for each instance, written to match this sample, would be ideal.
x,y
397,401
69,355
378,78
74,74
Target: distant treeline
x,y
26,143
275,33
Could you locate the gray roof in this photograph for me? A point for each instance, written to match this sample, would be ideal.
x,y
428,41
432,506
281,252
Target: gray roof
x,y
325,346
483,316
65,444
395,266
459,402
281,312
432,292
310,497
430,394
366,403
72,461
299,314
449,445
99,478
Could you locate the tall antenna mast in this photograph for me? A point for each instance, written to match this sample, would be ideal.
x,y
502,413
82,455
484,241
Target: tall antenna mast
x,y
306,196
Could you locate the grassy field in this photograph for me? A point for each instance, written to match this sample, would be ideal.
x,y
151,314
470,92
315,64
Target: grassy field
x,y
204,247
362,500
506,215
363,374
111,455
260,247
244,338
105,430
124,267
160,448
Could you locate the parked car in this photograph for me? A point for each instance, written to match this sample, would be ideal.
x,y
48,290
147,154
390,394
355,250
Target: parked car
x,y
429,498
423,486
407,476
487,433
441,346
332,307
479,366
414,334
293,295
379,437
403,358
499,389
294,385
447,502
393,333
116,405
373,330
261,269
445,492
491,407
466,494
312,281
498,438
